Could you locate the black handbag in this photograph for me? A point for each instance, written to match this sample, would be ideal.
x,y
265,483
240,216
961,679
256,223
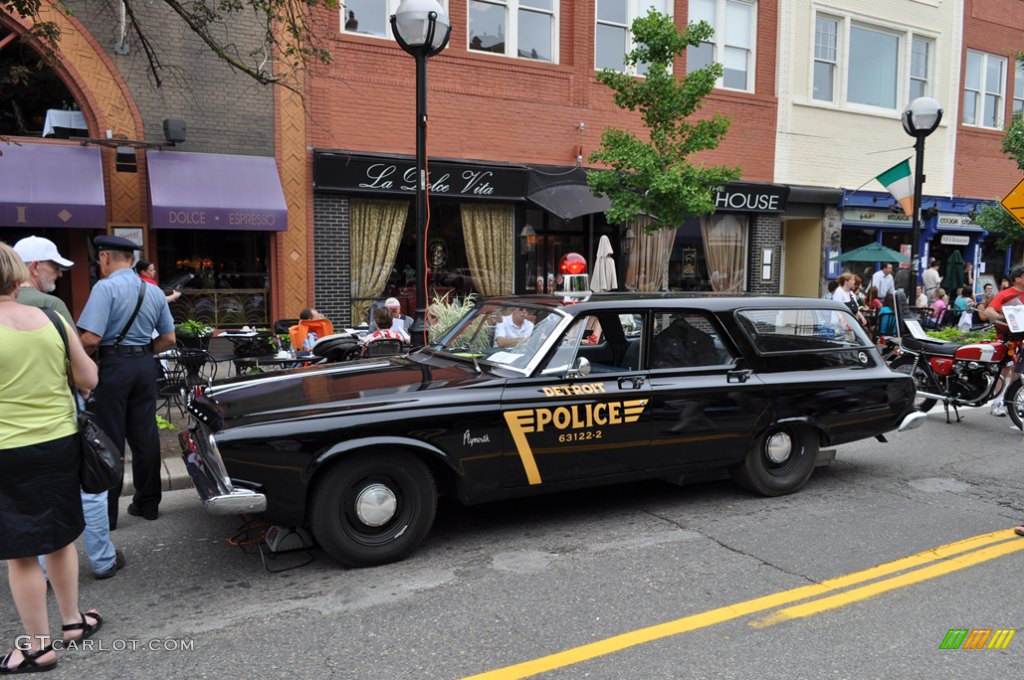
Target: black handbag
x,y
102,467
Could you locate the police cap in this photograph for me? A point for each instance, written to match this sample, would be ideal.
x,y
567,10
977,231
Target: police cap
x,y
114,243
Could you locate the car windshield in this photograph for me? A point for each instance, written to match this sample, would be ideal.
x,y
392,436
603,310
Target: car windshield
x,y
501,333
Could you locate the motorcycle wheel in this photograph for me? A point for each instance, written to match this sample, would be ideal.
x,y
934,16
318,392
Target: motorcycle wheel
x,y
1013,400
905,365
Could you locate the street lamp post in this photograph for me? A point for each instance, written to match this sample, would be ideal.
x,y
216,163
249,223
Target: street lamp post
x,y
920,119
422,29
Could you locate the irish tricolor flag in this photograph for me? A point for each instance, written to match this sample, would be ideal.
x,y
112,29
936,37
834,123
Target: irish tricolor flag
x,y
897,180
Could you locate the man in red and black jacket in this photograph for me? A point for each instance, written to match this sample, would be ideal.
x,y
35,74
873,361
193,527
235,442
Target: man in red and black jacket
x,y
994,313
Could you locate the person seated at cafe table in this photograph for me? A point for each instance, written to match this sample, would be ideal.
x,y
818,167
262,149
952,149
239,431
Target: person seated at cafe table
x,y
398,323
382,318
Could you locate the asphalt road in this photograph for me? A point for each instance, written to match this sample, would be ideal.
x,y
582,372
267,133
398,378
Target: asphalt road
x,y
640,581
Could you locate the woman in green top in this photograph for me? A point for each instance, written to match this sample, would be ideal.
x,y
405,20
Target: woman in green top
x,y
40,499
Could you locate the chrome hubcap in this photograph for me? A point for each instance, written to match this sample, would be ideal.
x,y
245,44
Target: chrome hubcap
x,y
779,447
376,505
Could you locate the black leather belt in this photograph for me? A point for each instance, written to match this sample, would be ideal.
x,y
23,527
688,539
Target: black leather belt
x,y
125,350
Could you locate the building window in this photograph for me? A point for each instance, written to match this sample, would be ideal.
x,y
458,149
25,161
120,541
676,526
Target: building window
x,y
826,34
732,44
920,57
874,62
612,35
984,89
882,66
515,28
1018,89
371,17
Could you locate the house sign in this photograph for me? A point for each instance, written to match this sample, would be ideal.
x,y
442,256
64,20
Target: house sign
x,y
751,198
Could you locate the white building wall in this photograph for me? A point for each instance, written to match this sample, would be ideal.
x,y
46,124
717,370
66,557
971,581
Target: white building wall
x,y
846,145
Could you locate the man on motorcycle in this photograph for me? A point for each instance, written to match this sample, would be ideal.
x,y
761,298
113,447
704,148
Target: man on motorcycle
x,y
994,313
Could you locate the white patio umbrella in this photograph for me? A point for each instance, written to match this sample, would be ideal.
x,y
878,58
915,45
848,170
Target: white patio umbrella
x,y
603,278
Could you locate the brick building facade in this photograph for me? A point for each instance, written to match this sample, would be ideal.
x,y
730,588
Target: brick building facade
x,y
489,109
226,115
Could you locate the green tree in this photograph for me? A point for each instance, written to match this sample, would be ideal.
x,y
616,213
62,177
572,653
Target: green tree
x,y
654,177
994,218
290,39
1013,140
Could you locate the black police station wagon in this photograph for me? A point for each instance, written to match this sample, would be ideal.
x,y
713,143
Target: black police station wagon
x,y
613,388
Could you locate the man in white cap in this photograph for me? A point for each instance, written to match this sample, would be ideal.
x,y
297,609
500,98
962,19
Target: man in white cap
x,y
45,266
397,320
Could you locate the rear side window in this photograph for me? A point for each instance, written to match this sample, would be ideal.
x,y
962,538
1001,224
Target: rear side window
x,y
686,340
801,330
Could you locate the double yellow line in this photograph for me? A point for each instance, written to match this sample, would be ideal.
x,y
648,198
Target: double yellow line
x,y
940,561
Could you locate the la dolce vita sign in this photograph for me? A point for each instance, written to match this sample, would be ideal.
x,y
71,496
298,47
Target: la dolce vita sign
x,y
392,176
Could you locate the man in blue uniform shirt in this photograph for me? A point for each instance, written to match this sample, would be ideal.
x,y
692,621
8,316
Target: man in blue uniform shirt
x,y
125,398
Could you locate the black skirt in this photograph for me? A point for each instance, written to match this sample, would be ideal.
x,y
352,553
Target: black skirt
x,y
40,498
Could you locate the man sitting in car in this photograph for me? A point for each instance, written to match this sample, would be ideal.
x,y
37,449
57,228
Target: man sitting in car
x,y
513,329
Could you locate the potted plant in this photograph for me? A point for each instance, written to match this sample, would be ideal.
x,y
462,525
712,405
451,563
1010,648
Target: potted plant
x,y
193,334
444,313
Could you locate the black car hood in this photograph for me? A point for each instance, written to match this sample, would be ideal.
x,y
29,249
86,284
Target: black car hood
x,y
336,388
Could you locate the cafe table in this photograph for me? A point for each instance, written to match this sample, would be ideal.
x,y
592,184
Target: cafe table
x,y
61,123
280,361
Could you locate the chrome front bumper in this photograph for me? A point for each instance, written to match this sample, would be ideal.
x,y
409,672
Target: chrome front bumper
x,y
218,494
912,420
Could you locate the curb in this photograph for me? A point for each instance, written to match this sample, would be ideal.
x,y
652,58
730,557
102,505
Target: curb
x,y
173,476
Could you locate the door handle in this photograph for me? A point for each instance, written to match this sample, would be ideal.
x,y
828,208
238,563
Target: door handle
x,y
739,376
635,382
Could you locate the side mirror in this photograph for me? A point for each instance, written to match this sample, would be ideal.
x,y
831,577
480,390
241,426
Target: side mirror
x,y
581,369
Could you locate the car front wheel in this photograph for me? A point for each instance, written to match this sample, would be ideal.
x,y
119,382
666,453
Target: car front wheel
x,y
373,508
780,461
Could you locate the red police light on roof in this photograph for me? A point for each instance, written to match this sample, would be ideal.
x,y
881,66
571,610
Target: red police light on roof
x,y
572,263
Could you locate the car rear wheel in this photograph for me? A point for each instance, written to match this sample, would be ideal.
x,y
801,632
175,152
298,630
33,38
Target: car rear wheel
x,y
905,365
780,461
373,508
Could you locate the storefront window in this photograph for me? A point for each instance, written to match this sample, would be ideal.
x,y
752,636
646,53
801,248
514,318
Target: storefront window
x,y
34,102
543,250
222,275
708,253
469,250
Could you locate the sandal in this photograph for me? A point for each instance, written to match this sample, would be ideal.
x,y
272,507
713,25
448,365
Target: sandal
x,y
28,664
1019,530
87,628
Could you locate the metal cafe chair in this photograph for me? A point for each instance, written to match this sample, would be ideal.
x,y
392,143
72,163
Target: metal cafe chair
x,y
199,365
170,386
385,347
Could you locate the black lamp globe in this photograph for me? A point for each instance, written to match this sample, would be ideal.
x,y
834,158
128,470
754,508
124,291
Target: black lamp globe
x,y
922,116
421,27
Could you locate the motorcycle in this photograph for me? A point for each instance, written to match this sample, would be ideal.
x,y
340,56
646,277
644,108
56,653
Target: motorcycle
x,y
959,375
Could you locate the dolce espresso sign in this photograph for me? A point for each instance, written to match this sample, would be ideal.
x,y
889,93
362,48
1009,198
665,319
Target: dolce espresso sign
x,y
379,175
751,198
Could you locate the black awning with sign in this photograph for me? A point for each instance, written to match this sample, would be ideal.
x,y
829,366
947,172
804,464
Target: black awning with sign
x,y
369,174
